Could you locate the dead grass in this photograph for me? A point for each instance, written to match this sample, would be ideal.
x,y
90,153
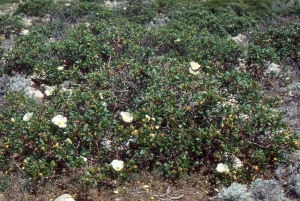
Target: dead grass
x,y
187,188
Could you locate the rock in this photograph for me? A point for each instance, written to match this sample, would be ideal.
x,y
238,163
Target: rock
x,y
272,67
64,197
27,21
24,32
241,39
282,90
34,93
115,4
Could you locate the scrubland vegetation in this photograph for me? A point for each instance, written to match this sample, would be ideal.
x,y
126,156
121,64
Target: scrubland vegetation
x,y
157,85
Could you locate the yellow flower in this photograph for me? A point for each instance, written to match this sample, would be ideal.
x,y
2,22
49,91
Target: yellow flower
x,y
135,132
152,135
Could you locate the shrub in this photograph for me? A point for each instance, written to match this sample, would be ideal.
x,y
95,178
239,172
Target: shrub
x,y
235,192
9,1
283,40
16,83
10,25
297,184
258,58
182,120
182,139
267,190
36,8
240,8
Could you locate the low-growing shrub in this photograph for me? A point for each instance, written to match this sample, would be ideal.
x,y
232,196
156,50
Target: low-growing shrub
x,y
10,25
283,40
235,192
135,95
9,1
296,183
36,8
259,7
181,123
267,190
258,190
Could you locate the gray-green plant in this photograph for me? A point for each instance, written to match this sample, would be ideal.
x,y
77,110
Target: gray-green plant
x,y
297,184
235,192
267,190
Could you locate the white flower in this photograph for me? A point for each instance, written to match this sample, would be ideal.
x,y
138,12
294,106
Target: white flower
x,y
69,141
195,66
104,104
60,68
237,163
101,96
157,127
67,4
126,116
117,165
147,117
60,121
27,116
193,72
13,120
243,116
84,158
222,168
178,40
49,90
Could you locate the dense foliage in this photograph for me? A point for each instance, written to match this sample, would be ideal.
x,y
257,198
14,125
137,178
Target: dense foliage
x,y
102,62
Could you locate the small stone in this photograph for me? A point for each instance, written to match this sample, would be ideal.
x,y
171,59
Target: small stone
x,y
146,187
64,197
35,93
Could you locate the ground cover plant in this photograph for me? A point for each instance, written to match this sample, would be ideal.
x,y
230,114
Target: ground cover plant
x,y
146,87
